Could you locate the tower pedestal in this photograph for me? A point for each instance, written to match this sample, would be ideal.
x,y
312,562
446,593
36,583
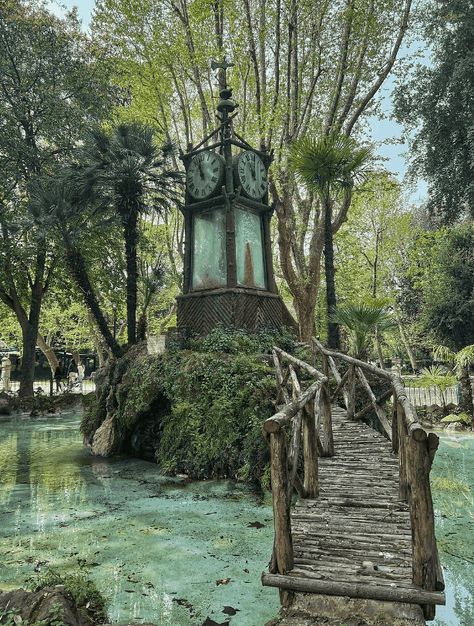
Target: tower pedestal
x,y
199,312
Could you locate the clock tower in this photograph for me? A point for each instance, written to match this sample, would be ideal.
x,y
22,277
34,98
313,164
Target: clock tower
x,y
228,269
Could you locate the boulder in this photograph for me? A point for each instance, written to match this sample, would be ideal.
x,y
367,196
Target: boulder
x,y
35,606
105,440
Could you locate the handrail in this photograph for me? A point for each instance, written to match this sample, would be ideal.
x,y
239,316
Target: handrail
x,y
304,412
415,429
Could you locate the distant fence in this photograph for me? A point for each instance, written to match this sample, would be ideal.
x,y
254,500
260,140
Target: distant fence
x,y
87,386
429,396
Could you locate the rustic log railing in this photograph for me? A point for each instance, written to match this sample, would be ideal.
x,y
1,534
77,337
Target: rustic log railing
x,y
305,414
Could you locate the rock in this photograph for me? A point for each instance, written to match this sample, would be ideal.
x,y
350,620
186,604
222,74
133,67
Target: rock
x,y
37,606
456,426
5,408
105,440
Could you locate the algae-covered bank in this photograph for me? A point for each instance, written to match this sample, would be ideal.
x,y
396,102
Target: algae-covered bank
x,y
162,550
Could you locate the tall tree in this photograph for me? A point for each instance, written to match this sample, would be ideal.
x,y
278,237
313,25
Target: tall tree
x,y
51,87
300,66
329,166
437,107
130,172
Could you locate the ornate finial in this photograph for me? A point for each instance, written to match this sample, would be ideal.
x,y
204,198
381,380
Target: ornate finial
x,y
223,67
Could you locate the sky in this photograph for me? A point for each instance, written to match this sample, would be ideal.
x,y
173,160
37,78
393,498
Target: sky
x,y
383,132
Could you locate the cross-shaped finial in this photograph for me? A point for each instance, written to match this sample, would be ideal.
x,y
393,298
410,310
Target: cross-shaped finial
x,y
223,66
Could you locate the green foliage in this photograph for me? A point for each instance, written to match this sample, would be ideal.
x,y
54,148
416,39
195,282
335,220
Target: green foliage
x,y
93,415
454,418
209,402
438,285
235,341
436,376
10,617
219,402
362,321
84,592
328,163
436,104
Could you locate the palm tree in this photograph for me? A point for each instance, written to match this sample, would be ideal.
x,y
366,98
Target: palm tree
x,y
57,201
362,321
329,166
130,173
460,363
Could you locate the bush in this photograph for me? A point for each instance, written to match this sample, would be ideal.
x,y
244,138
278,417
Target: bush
x,y
201,408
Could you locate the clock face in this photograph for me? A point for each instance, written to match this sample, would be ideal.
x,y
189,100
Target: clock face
x,y
252,174
205,174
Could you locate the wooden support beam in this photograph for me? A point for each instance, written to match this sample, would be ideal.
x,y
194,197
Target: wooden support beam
x,y
281,506
395,425
340,385
299,363
354,590
425,555
377,408
351,393
383,398
274,423
310,455
402,460
294,450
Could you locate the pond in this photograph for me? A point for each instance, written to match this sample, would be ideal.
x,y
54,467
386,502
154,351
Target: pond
x,y
176,552
161,550
453,495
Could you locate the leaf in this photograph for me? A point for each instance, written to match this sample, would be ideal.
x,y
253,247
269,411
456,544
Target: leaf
x,y
229,610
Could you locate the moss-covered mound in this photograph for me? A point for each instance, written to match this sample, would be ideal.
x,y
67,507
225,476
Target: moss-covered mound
x,y
197,411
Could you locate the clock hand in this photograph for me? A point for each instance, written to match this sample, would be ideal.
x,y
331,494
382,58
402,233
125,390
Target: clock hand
x,y
200,169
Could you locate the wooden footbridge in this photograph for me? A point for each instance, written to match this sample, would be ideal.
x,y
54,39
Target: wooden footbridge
x,y
363,524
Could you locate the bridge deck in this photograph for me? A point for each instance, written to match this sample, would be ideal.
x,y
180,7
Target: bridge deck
x,y
355,538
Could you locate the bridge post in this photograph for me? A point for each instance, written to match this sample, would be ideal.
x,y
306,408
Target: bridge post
x,y
281,504
402,455
395,442
325,400
310,454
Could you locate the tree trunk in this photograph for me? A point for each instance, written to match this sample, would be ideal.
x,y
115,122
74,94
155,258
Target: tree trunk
x,y
77,267
305,312
378,345
466,402
142,327
28,359
48,352
404,339
130,236
333,328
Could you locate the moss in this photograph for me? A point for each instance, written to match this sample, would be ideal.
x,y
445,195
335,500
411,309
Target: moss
x,y
218,404
452,418
84,592
200,408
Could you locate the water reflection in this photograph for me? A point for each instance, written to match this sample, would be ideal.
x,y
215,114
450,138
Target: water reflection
x,y
453,480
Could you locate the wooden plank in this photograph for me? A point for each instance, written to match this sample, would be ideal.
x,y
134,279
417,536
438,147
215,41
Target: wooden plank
x,y
354,590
